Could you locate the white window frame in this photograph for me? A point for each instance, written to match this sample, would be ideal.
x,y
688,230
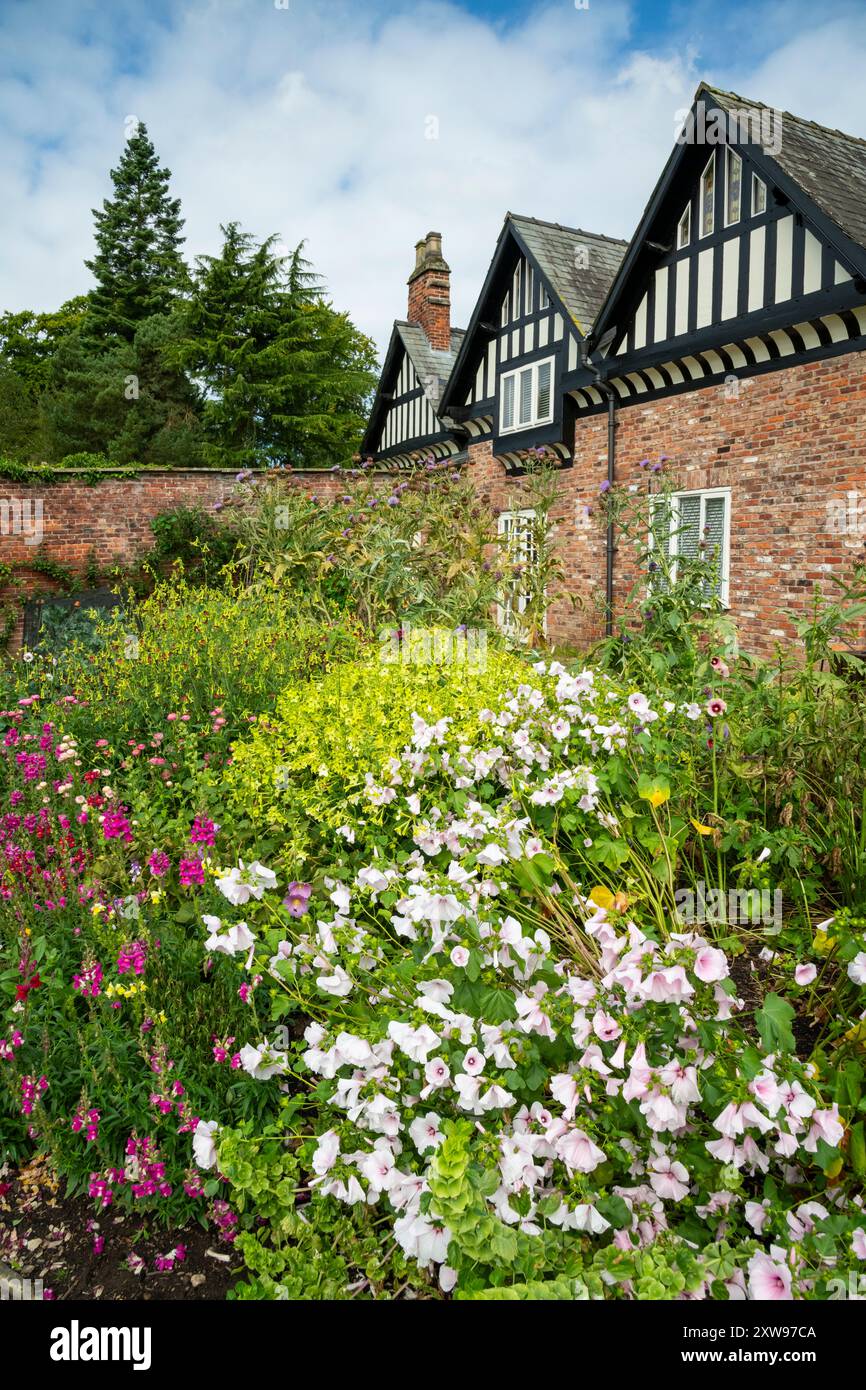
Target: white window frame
x,y
756,184
505,612
703,493
730,157
683,240
710,164
519,426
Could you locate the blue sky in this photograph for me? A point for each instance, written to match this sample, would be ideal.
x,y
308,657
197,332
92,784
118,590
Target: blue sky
x,y
359,125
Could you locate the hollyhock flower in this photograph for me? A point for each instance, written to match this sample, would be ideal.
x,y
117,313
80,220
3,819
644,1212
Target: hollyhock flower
x,y
297,899
245,882
769,1280
424,1132
857,968
437,1073
756,1214
669,1178
204,1144
715,707
326,1153
638,704
668,985
825,1125
578,1152
710,964
805,974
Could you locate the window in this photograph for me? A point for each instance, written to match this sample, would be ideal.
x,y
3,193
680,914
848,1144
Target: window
x,y
515,291
543,298
528,287
695,525
708,196
733,186
759,196
684,229
517,537
526,396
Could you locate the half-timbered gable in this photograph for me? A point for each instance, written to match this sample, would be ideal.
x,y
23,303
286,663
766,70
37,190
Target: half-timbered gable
x,y
544,286
747,258
405,424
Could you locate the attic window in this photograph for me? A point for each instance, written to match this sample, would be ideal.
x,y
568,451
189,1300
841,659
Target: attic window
x,y
528,288
759,196
515,291
733,187
526,397
708,196
543,298
684,229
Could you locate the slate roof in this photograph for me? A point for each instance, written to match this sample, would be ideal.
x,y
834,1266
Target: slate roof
x,y
432,365
827,164
581,289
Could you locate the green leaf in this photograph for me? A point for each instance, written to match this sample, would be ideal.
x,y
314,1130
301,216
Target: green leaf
x,y
774,1024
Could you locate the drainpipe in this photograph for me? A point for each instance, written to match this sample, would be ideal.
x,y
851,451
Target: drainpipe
x,y
608,392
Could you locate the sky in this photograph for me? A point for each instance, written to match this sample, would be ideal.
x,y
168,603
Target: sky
x,y
357,126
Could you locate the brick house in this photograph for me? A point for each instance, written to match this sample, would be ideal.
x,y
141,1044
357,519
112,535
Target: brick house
x,y
726,338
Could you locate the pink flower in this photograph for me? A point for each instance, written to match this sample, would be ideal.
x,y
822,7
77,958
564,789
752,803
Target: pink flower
x,y
669,1179
769,1280
578,1152
715,707
858,1243
805,974
710,965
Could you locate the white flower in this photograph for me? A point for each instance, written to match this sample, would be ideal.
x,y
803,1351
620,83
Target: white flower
x,y
338,984
203,1143
424,1132
857,969
245,882
492,854
235,938
326,1154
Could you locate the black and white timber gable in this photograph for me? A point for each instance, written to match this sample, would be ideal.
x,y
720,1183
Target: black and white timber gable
x,y
405,425
543,289
750,257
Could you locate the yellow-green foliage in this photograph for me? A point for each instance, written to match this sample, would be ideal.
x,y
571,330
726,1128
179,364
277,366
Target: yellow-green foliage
x,y
313,758
189,649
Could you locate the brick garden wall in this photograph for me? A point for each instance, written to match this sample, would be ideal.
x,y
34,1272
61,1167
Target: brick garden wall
x,y
109,519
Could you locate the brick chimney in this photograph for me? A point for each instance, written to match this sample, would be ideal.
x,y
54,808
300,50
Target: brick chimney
x,y
430,292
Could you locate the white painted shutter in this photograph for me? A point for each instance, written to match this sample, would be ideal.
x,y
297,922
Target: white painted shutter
x,y
714,535
526,396
543,406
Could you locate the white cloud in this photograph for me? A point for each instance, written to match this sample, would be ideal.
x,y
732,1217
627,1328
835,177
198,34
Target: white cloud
x,y
310,121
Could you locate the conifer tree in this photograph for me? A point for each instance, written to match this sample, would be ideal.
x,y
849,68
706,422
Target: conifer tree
x,y
138,267
286,377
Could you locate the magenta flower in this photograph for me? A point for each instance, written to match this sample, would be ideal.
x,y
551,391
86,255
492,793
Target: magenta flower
x,y
159,863
191,871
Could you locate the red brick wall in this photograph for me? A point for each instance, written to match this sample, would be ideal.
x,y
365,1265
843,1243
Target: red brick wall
x,y
109,519
791,442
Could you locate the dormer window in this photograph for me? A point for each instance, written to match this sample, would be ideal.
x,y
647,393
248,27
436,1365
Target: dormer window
x,y
684,228
733,187
526,397
708,197
759,196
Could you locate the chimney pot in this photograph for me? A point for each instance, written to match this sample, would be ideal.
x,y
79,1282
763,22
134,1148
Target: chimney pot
x,y
430,292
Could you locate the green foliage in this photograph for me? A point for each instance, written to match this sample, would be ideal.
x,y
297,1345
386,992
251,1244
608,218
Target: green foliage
x,y
195,539
286,377
138,266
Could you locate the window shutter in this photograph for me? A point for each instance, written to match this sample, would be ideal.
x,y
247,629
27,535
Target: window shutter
x,y
543,409
688,527
526,396
714,535
508,402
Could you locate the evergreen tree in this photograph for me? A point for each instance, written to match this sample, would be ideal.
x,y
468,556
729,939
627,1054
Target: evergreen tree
x,y
124,400
138,266
286,377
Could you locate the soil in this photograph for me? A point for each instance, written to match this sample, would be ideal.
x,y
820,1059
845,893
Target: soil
x,y
44,1235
